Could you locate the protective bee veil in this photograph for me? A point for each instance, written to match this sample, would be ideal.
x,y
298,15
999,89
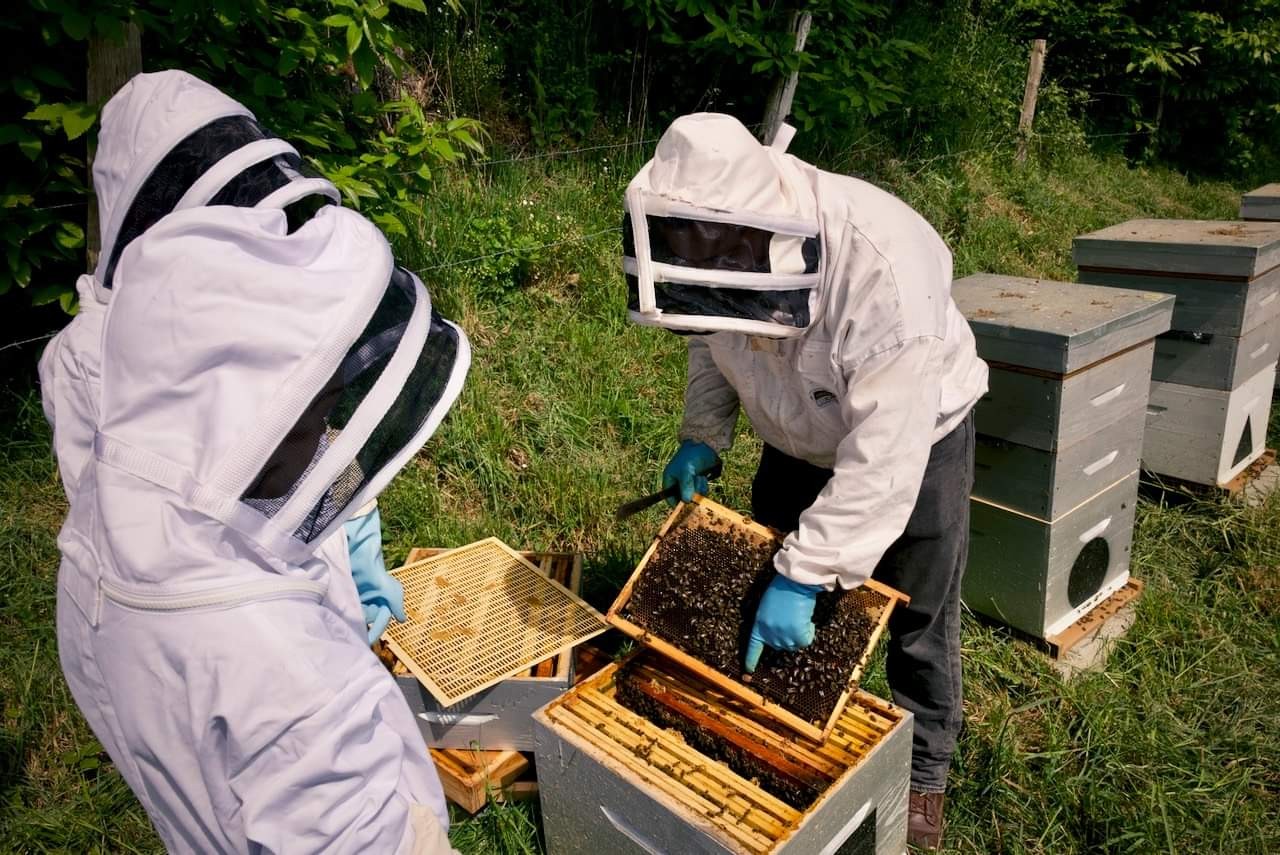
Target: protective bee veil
x,y
721,234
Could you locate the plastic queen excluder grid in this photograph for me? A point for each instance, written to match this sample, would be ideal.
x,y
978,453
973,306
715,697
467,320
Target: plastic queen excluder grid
x,y
661,620
479,614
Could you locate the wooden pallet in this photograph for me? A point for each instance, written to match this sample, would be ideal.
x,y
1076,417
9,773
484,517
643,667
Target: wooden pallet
x,y
469,777
701,512
1092,622
1258,476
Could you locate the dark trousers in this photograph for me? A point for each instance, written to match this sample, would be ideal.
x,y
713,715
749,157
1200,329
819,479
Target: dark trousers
x,y
926,563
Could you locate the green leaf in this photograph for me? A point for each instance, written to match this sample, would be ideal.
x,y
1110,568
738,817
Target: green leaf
x,y
415,5
338,21
354,37
46,294
265,85
78,119
31,148
49,76
47,113
70,235
26,89
364,61
76,25
70,302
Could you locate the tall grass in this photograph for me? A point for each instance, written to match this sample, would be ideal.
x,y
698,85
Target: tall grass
x,y
570,410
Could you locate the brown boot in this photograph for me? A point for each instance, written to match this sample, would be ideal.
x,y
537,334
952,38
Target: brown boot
x,y
924,820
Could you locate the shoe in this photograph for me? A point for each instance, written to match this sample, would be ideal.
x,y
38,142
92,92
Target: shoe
x,y
924,820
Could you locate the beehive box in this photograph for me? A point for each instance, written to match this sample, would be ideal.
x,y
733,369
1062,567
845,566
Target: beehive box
x,y
1207,436
612,781
1226,327
813,711
498,718
1040,577
1261,204
1070,370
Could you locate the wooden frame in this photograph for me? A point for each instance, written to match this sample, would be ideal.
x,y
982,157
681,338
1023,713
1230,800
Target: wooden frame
x,y
734,687
468,777
562,567
567,640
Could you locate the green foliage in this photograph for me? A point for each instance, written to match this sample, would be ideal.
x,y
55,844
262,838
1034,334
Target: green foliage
x,y
323,73
848,69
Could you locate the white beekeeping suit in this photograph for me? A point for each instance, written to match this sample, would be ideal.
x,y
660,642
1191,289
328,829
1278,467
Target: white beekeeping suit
x,y
827,317
240,427
169,141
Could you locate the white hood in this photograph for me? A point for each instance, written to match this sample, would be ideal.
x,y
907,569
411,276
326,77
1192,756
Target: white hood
x,y
709,171
143,124
203,384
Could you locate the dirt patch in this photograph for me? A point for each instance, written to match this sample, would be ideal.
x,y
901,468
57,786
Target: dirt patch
x,y
1014,294
1231,231
700,591
985,313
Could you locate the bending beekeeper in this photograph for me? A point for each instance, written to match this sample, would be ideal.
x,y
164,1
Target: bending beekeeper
x,y
821,306
242,381
169,142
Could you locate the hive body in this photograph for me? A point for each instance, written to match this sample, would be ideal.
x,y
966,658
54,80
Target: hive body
x,y
1059,443
1261,204
1225,334
612,782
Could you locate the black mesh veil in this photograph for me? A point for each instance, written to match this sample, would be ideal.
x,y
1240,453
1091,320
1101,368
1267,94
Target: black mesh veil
x,y
190,159
335,404
707,245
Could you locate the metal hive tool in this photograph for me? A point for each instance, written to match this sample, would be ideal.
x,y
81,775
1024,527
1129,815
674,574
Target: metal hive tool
x,y
479,614
664,621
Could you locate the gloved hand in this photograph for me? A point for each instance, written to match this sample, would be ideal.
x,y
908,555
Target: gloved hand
x,y
381,594
784,619
689,468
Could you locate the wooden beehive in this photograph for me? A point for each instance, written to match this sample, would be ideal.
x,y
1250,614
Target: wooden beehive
x,y
1261,204
812,717
611,780
1059,443
1225,332
497,718
1039,576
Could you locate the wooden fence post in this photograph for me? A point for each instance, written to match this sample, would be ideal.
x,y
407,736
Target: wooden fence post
x,y
1034,69
785,90
111,64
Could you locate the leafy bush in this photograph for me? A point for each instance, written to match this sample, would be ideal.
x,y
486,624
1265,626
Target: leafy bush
x,y
322,73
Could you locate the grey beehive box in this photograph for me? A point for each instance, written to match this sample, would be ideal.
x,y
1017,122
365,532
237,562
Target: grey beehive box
x,y
1261,204
1040,577
1070,368
600,795
1215,361
1218,305
1056,327
1207,436
498,719
1200,247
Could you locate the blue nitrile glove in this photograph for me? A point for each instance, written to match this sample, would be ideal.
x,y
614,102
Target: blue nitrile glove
x,y
688,469
381,594
784,619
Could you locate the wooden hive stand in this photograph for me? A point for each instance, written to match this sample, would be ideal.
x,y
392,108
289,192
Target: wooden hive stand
x,y
1085,645
1252,486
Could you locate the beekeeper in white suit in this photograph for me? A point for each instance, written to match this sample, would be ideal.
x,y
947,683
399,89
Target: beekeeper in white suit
x,y
169,141
212,647
821,306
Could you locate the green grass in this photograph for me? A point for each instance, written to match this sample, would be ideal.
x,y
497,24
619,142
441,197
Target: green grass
x,y
571,410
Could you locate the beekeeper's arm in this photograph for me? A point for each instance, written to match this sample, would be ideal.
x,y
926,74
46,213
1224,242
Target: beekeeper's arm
x,y
892,405
710,414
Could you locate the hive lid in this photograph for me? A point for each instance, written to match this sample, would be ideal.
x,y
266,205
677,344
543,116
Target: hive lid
x,y
1261,204
667,622
1058,327
1199,247
480,614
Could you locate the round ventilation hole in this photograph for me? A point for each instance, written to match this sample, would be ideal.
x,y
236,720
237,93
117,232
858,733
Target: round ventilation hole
x,y
1089,571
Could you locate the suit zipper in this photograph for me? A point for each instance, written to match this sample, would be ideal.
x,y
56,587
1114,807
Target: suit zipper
x,y
230,595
